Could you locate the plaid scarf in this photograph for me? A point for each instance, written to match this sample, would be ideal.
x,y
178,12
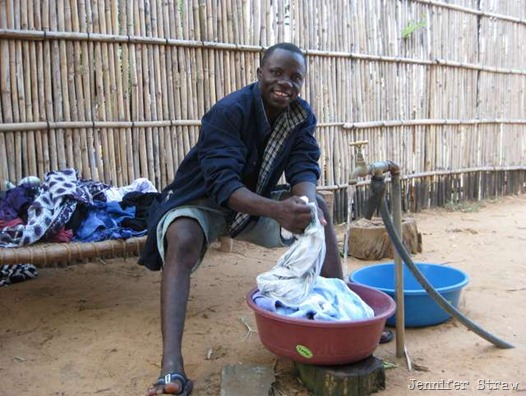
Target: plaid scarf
x,y
284,125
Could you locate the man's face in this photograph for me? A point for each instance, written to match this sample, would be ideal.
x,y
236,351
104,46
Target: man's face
x,y
281,79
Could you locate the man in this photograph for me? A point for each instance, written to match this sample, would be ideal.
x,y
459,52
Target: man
x,y
226,185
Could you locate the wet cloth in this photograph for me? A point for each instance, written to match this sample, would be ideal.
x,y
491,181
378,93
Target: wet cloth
x,y
293,277
330,300
294,288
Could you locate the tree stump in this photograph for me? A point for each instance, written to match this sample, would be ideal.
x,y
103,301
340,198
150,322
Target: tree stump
x,y
358,379
369,240
226,244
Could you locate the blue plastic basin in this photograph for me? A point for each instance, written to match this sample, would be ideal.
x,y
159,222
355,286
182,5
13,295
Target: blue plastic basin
x,y
420,309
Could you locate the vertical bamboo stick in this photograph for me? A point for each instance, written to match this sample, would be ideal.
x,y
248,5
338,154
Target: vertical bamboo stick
x,y
67,76
81,72
6,114
49,137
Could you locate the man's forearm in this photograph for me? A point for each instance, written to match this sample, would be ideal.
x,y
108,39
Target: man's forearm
x,y
305,189
245,201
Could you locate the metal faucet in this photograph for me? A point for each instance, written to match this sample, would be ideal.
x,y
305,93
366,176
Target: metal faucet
x,y
377,169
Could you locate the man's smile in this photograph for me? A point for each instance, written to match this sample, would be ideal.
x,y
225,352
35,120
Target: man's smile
x,y
281,93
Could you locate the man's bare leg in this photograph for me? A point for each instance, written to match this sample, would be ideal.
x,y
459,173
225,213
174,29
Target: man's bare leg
x,y
332,266
184,243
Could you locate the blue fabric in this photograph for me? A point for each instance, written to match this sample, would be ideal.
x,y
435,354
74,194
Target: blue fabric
x,y
16,201
330,300
104,222
228,156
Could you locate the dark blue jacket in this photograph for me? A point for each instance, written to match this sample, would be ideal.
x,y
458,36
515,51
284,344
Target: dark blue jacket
x,y
227,156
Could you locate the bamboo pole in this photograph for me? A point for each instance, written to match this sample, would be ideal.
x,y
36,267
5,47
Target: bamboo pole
x,y
16,97
25,85
76,70
83,82
149,98
67,71
99,37
5,114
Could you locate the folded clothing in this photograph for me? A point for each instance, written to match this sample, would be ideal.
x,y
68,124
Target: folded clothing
x,y
330,300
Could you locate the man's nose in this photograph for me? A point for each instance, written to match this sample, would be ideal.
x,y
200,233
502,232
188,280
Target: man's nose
x,y
286,81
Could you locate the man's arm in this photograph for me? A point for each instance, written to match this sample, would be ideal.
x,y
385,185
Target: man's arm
x,y
309,190
292,213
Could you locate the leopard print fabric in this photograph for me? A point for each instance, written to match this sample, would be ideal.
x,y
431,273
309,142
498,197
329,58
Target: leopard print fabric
x,y
51,209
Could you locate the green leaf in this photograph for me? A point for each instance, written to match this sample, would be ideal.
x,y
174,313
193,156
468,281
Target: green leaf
x,y
412,27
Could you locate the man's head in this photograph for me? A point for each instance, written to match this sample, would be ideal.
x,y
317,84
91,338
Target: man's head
x,y
281,76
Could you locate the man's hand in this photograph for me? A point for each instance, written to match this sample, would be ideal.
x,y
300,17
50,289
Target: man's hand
x,y
294,214
291,213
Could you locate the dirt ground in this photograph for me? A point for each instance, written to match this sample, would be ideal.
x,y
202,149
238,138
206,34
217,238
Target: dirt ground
x,y
93,329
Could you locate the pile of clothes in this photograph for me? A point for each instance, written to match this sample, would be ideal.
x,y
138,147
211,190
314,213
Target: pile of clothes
x,y
65,208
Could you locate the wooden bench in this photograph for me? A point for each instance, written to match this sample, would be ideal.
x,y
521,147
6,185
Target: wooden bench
x,y
61,254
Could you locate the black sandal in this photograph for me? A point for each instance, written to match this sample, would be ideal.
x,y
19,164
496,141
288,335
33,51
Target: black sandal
x,y
186,384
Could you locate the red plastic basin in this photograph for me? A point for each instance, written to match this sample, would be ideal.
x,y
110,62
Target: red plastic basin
x,y
324,343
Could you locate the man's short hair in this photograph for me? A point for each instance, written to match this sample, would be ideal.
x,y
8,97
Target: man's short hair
x,y
284,46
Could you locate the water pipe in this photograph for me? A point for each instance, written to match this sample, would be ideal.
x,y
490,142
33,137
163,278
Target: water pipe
x,y
377,170
399,268
393,228
437,297
377,191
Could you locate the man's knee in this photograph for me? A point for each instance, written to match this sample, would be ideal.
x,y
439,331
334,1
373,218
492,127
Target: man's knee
x,y
184,241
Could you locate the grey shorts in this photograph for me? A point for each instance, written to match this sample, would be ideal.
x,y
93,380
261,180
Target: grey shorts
x,y
214,221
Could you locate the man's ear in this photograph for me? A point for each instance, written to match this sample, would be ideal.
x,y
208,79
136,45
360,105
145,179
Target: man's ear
x,y
258,71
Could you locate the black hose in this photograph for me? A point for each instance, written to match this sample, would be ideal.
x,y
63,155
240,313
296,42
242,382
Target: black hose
x,y
439,299
377,189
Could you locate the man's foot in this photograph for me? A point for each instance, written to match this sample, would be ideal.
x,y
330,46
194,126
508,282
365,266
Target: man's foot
x,y
171,384
387,335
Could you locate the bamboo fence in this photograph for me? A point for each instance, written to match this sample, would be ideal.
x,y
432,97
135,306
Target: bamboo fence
x,y
116,88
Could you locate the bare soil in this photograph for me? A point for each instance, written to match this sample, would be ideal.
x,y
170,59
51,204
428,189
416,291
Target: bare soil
x,y
93,329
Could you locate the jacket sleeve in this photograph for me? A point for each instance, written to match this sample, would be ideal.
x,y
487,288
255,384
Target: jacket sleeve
x,y
222,152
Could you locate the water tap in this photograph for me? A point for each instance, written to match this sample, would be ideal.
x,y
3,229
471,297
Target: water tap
x,y
360,166
362,169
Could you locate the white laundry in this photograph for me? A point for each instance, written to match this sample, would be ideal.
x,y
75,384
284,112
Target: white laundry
x,y
330,300
294,288
116,194
292,278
